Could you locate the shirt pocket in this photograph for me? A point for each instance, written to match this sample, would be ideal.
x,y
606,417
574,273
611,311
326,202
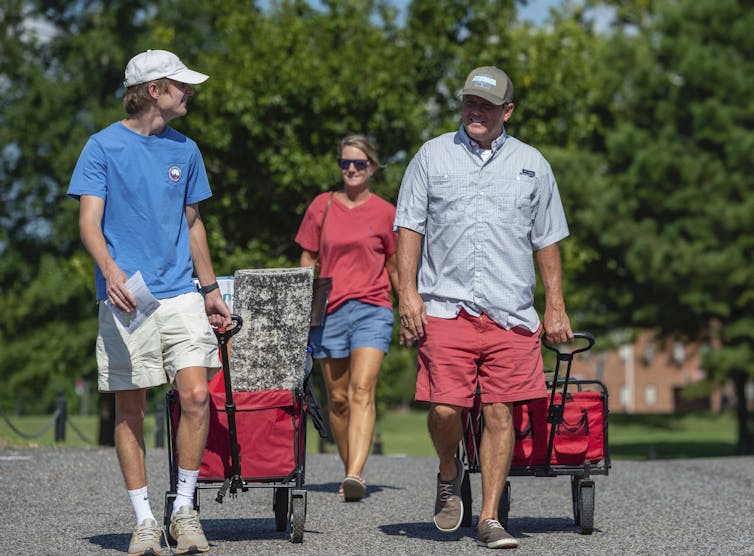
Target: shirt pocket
x,y
448,198
513,208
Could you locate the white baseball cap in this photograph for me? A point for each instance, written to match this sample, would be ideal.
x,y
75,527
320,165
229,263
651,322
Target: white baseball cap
x,y
156,64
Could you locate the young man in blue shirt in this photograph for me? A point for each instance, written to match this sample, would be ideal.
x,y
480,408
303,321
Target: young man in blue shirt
x,y
139,183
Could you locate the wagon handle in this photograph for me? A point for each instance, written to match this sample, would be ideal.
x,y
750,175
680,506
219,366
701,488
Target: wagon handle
x,y
555,411
224,334
234,481
567,356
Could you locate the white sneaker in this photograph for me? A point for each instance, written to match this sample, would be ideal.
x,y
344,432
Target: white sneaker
x,y
187,531
146,539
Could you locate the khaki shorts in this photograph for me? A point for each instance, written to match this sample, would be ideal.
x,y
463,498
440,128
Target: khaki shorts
x,y
176,336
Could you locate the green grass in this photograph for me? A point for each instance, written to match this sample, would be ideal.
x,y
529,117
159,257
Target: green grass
x,y
405,432
691,435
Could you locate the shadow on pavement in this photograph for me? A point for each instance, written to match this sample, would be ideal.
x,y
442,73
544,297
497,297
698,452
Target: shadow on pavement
x,y
521,526
223,530
425,530
115,541
333,488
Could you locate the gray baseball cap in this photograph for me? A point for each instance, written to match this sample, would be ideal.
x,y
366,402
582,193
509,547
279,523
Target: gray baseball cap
x,y
490,83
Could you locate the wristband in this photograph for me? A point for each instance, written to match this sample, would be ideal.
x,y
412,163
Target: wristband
x,y
208,288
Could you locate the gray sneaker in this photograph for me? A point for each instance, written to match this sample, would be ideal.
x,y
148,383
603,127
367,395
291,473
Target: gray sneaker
x,y
491,534
146,539
448,504
187,531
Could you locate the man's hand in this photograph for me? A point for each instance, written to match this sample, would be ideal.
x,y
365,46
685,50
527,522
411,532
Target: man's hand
x,y
557,326
217,310
413,316
117,292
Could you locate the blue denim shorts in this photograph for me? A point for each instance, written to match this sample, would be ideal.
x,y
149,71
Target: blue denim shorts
x,y
353,325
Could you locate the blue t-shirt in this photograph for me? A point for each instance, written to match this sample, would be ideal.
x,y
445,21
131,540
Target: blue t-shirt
x,y
146,182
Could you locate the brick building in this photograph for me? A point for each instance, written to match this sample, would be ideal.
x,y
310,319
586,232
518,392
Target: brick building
x,y
648,375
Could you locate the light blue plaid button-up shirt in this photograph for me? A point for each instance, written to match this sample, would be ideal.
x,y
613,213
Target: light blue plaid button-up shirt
x,y
482,218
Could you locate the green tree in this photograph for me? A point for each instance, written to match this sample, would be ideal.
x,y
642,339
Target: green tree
x,y
673,222
287,84
56,90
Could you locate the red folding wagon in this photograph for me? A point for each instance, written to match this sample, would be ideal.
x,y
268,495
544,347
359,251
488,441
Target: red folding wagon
x,y
562,434
256,439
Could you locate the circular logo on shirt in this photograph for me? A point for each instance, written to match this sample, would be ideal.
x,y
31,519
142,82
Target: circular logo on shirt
x,y
174,173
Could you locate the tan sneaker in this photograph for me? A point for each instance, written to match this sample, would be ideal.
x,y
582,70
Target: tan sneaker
x,y
187,531
146,539
491,534
448,504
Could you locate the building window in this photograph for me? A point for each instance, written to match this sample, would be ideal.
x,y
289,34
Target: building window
x,y
650,395
600,371
625,396
679,353
649,353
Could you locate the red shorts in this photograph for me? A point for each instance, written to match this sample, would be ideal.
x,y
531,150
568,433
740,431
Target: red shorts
x,y
457,354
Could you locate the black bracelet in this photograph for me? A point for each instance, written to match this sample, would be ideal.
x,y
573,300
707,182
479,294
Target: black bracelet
x,y
208,288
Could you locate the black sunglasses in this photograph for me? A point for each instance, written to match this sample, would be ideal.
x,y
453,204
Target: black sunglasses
x,y
359,164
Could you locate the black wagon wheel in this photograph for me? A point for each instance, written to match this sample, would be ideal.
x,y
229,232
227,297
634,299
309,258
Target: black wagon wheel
x,y
280,508
575,480
298,515
504,505
466,500
586,506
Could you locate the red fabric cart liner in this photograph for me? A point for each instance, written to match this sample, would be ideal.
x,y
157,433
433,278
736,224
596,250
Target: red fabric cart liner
x,y
578,439
267,427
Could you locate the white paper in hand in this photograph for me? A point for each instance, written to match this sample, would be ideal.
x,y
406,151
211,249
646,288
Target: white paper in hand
x,y
146,304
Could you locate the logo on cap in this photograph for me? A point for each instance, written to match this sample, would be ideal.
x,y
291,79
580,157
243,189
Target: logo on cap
x,y
174,173
484,81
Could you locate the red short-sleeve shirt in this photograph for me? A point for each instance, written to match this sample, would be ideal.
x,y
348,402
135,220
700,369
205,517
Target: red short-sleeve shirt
x,y
356,242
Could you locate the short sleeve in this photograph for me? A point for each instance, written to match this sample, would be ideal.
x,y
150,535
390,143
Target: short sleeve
x,y
90,174
411,211
308,232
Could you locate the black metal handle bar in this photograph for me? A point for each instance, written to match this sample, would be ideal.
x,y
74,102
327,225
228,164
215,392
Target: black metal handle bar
x,y
567,356
224,334
234,482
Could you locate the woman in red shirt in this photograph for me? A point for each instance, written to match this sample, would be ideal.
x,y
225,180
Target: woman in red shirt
x,y
357,251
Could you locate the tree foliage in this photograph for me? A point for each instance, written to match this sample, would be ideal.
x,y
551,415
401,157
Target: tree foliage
x,y
674,220
57,89
648,129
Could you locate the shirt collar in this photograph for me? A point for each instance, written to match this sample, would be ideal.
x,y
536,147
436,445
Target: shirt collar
x,y
474,147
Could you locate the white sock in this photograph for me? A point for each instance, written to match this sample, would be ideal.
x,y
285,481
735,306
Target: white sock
x,y
140,502
186,488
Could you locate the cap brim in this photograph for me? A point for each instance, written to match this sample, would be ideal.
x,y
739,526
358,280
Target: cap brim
x,y
188,76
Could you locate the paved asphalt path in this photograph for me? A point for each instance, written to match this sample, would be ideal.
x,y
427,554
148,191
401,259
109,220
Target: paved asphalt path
x,y
72,501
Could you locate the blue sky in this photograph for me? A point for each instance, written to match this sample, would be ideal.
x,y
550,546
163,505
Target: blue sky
x,y
537,10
